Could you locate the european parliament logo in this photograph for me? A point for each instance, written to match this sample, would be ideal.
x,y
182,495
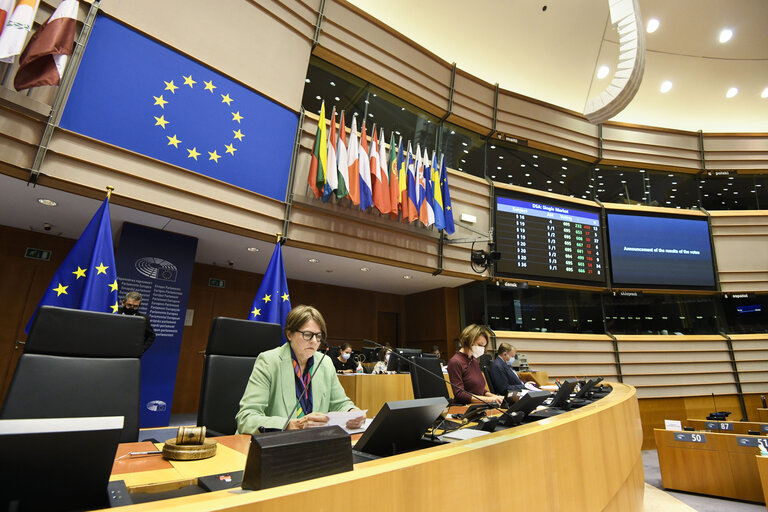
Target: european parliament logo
x,y
157,268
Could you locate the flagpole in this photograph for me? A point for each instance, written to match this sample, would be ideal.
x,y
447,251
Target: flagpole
x,y
109,191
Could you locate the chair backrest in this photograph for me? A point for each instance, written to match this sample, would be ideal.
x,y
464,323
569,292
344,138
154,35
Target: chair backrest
x,y
485,360
426,385
487,374
233,346
52,386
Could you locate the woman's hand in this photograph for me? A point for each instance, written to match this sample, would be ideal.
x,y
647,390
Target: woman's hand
x,y
356,423
313,419
492,399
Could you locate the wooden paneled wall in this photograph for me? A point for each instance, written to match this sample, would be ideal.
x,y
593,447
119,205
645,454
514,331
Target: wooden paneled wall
x,y
741,249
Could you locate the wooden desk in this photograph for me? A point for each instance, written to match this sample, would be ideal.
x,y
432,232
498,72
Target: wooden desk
x,y
540,378
372,391
717,465
605,435
762,467
762,415
728,427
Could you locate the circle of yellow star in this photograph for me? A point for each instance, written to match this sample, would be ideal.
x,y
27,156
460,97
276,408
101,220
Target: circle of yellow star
x,y
80,272
113,286
188,81
160,101
169,86
161,121
238,135
236,116
214,156
209,86
226,99
61,289
267,298
173,141
256,312
230,149
193,153
101,269
284,297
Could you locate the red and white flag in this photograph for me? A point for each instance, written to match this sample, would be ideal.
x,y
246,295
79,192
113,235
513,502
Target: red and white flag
x,y
380,178
47,52
6,8
16,29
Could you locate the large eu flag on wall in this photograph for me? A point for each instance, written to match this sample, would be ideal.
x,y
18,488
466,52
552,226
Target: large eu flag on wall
x,y
136,93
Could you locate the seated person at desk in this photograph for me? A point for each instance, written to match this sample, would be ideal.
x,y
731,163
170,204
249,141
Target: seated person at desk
x,y
464,370
503,376
436,351
381,364
281,376
344,362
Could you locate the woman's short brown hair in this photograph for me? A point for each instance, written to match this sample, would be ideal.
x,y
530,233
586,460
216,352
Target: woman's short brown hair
x,y
383,352
471,333
299,316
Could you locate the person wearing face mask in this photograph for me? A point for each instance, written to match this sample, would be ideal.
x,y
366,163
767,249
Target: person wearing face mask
x,y
344,362
503,376
464,370
131,304
381,364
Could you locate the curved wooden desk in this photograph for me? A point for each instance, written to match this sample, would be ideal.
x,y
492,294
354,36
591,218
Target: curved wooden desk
x,y
586,459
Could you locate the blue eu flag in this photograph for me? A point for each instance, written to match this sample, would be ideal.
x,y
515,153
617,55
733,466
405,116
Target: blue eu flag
x,y
135,93
87,279
272,302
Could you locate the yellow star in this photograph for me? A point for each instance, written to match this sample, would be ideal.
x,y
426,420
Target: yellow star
x,y
226,99
101,269
284,297
115,307
170,87
236,116
256,312
230,149
161,121
209,86
80,272
193,153
113,286
214,156
267,298
188,81
447,207
160,101
61,289
173,141
238,135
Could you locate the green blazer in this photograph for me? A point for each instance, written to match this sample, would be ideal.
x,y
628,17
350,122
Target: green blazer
x,y
271,391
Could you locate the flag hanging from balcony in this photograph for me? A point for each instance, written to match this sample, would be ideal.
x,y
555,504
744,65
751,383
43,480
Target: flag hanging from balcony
x,y
16,28
272,302
319,163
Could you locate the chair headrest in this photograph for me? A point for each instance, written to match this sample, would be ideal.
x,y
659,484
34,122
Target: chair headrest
x,y
236,337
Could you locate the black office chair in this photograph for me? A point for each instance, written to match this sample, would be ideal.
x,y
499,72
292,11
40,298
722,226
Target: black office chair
x,y
425,385
78,364
487,374
485,361
233,346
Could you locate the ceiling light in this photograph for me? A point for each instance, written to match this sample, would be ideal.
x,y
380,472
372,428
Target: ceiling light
x,y
313,260
535,156
653,24
407,277
318,98
337,98
46,202
494,176
765,93
307,80
725,35
453,132
493,147
252,249
733,91
602,72
565,159
666,85
365,269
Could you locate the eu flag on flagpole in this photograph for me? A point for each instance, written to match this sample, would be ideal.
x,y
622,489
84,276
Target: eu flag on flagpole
x,y
272,302
87,279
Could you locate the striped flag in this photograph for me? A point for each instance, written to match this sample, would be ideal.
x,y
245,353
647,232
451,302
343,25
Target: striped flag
x,y
342,190
6,7
426,213
365,172
45,57
409,202
380,181
319,163
402,176
446,193
353,164
331,172
394,181
16,28
437,202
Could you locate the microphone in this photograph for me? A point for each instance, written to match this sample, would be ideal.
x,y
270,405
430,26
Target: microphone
x,y
512,416
306,388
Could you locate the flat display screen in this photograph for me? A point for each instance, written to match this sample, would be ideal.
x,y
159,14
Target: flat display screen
x,y
660,251
548,239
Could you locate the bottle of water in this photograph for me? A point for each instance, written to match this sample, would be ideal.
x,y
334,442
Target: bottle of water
x,y
360,367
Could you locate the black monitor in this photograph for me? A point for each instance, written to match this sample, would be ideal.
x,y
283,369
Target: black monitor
x,y
400,364
588,387
529,401
564,393
430,354
371,354
399,426
57,463
428,381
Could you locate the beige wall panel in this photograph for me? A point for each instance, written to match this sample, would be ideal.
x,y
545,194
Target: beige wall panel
x,y
736,159
576,370
751,355
265,45
535,129
737,143
641,160
740,165
678,390
15,154
569,357
20,128
754,387
741,249
511,106
747,344
651,154
752,366
473,100
539,345
649,137
658,366
642,358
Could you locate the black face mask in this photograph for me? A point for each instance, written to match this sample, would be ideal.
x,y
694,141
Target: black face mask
x,y
129,311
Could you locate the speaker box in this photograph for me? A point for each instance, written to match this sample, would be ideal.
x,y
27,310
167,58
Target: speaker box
x,y
279,458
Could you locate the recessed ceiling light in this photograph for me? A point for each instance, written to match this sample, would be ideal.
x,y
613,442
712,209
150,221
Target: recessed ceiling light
x,y
253,249
602,72
365,269
307,80
725,35
336,98
733,91
46,202
493,147
666,86
407,277
565,159
313,260
535,156
318,98
765,93
653,24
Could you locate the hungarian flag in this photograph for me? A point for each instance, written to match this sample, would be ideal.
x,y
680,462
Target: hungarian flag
x,y
45,57
342,189
366,199
319,164
6,7
16,28
437,201
331,173
394,181
353,164
410,212
383,204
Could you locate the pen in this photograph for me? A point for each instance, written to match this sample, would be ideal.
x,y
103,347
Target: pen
x,y
150,452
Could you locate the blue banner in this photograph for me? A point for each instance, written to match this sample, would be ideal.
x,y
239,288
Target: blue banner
x,y
136,93
159,265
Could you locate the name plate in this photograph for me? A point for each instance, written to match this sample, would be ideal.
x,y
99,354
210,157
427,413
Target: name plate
x,y
719,425
756,442
690,437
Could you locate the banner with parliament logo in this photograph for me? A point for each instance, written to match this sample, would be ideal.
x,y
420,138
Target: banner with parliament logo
x,y
135,93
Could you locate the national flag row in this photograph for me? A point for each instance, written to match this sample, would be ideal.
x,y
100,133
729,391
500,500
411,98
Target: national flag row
x,y
405,184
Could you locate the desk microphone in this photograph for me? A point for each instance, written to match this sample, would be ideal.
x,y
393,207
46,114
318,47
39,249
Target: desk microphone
x,y
512,416
306,389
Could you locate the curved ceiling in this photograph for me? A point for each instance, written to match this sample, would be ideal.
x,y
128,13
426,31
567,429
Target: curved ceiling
x,y
551,50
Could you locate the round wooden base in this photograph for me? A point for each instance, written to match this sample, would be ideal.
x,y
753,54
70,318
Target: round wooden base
x,y
174,451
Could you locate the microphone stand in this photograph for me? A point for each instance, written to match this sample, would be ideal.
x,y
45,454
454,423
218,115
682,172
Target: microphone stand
x,y
512,416
306,388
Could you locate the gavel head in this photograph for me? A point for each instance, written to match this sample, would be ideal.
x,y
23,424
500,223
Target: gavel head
x,y
190,435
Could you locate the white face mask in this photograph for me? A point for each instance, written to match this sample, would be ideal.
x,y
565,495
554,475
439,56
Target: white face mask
x,y
511,361
386,358
477,351
345,356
